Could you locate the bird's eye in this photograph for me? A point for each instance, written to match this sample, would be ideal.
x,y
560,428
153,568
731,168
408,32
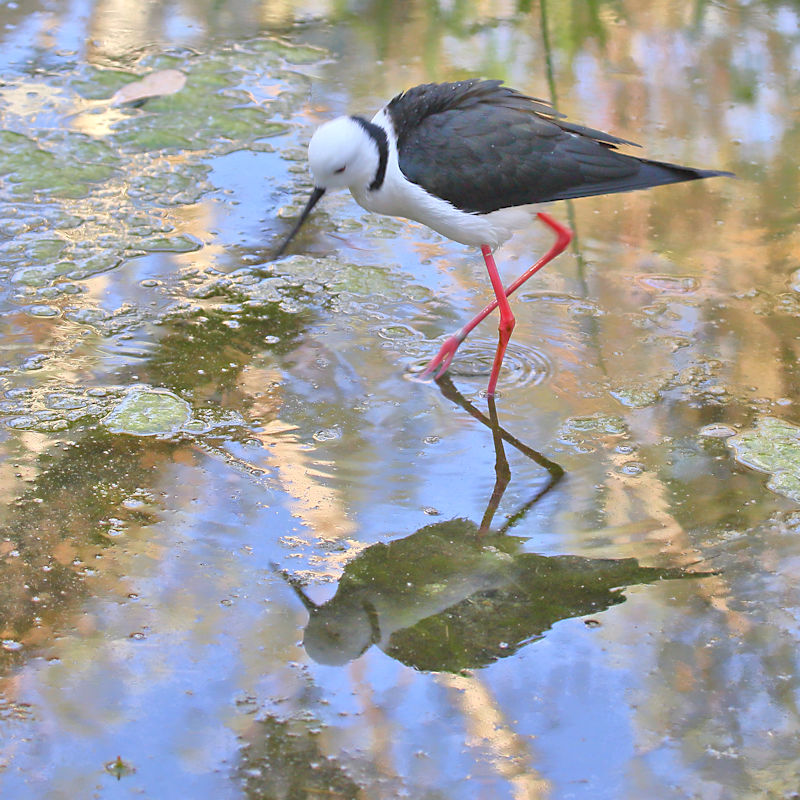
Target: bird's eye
x,y
340,170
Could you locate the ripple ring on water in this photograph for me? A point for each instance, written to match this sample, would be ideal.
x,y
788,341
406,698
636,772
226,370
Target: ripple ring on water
x,y
523,365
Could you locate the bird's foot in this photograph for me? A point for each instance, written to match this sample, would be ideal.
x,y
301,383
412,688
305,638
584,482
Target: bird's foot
x,y
440,363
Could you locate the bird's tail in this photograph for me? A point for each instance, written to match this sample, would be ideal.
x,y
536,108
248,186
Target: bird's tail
x,y
650,173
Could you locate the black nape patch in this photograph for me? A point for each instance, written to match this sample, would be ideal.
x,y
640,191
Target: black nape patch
x,y
378,135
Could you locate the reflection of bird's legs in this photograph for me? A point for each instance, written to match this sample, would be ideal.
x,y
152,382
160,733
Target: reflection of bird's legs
x,y
500,434
501,469
448,389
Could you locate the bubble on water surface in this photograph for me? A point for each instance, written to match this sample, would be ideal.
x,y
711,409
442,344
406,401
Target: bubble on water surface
x,y
327,435
717,430
21,423
631,468
42,311
64,401
398,331
171,244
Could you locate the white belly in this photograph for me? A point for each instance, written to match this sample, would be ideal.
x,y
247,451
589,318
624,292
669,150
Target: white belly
x,y
404,199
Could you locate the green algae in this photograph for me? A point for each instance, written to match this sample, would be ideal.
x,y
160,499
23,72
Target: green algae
x,y
55,407
272,282
772,446
104,186
300,54
173,244
37,275
190,124
149,412
586,433
96,84
141,410
636,395
30,169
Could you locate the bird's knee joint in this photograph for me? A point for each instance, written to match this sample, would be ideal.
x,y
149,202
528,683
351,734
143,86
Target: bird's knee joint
x,y
506,326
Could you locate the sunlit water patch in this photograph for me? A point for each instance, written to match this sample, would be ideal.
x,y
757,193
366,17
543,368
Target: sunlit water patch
x,y
578,306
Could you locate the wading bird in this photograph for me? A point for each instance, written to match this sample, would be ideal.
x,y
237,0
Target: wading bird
x,y
469,159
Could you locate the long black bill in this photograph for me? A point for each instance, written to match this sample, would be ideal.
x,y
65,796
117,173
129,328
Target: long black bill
x,y
312,201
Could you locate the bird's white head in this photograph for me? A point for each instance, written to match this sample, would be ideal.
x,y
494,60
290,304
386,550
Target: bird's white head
x,y
341,153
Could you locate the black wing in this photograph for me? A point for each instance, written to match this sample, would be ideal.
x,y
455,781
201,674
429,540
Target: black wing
x,y
484,146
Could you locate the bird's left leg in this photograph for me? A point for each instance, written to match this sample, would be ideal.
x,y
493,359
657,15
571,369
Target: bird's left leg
x,y
440,363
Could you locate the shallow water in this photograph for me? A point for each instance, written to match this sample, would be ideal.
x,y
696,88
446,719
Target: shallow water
x,y
246,554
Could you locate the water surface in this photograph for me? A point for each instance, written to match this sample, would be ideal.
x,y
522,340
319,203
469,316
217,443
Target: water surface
x,y
244,554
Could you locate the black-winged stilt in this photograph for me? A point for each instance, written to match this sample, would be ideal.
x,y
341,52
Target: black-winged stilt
x,y
469,159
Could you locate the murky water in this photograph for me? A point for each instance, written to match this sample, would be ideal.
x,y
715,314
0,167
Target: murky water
x,y
245,554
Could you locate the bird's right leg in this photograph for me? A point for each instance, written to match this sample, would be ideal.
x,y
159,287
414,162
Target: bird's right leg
x,y
507,321
440,363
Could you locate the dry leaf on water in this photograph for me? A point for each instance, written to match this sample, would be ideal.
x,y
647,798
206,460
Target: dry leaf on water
x,y
165,81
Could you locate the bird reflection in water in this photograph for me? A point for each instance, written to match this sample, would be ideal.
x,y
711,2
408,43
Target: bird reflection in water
x,y
458,595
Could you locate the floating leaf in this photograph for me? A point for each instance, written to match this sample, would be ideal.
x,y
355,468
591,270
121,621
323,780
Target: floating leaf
x,y
156,84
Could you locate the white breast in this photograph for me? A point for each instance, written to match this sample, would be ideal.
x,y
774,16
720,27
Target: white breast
x,y
398,197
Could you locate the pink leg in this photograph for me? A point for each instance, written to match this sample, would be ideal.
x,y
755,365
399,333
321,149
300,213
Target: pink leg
x,y
440,363
507,320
